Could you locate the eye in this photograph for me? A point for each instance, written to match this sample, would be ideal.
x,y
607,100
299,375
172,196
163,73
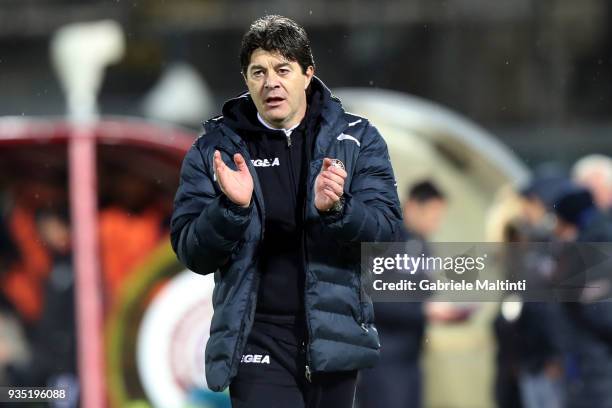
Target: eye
x,y
284,71
257,73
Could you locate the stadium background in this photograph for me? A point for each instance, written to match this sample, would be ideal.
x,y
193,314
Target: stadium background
x,y
473,93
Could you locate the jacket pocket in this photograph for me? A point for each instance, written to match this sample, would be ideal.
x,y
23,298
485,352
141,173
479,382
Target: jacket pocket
x,y
367,325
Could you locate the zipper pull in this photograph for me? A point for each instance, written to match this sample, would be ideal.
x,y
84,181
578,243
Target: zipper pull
x,y
308,374
288,140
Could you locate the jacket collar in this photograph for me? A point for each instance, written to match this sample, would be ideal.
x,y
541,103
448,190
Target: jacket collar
x,y
332,117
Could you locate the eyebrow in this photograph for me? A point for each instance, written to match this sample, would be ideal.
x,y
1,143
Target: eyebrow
x,y
277,66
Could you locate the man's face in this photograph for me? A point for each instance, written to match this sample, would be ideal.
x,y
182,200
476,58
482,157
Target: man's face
x,y
424,218
278,88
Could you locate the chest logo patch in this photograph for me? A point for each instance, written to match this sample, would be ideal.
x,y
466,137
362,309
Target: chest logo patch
x,y
266,162
255,359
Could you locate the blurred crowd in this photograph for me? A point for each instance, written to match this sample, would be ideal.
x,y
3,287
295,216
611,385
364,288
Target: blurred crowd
x,y
559,353
37,281
551,354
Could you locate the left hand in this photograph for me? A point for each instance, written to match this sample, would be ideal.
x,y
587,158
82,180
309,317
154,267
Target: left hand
x,y
329,186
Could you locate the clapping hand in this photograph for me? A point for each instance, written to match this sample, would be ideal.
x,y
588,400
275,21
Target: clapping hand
x,y
329,185
237,184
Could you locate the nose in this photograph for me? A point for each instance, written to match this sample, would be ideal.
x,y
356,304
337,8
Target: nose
x,y
271,80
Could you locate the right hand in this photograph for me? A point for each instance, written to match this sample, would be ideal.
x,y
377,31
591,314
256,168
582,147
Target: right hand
x,y
237,185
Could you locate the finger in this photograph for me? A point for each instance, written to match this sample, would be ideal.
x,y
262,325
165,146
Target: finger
x,y
332,185
218,161
319,180
240,163
334,177
331,195
338,171
326,163
216,158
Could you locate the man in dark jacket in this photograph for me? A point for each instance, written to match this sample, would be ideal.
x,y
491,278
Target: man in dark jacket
x,y
529,358
274,199
589,313
396,381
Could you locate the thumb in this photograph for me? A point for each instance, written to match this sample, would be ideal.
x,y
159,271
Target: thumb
x,y
240,163
326,163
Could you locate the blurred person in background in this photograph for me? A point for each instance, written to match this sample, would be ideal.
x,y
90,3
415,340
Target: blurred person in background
x,y
262,204
424,209
580,221
396,380
53,355
13,345
26,269
530,369
132,224
594,172
23,281
537,201
425,206
504,226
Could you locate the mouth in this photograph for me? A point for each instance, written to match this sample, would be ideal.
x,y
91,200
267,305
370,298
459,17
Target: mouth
x,y
273,101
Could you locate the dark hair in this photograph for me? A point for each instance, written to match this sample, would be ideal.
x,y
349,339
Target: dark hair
x,y
425,191
574,205
280,34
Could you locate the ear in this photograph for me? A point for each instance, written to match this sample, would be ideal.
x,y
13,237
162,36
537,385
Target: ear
x,y
309,74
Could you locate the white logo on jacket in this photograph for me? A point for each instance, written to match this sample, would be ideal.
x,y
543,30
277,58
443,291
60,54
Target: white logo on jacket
x,y
266,162
255,359
344,136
